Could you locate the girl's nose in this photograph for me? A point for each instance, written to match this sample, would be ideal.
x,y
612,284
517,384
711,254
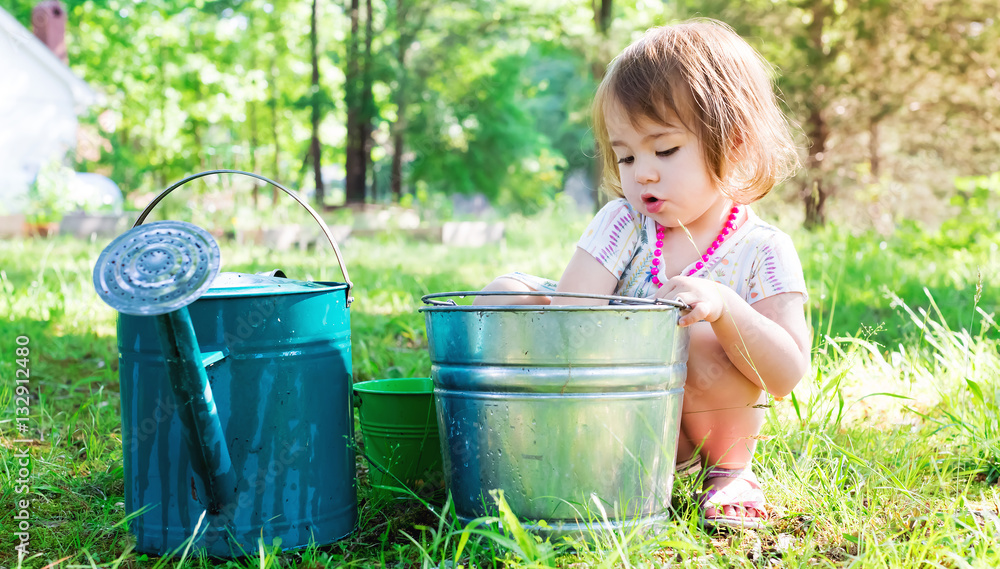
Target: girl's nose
x,y
646,172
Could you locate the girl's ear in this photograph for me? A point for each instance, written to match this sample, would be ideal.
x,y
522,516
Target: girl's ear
x,y
737,142
738,167
734,155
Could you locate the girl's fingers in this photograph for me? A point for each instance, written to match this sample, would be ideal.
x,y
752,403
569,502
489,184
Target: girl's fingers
x,y
697,313
685,298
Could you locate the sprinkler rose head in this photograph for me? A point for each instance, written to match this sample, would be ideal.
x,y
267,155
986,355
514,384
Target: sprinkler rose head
x,y
157,268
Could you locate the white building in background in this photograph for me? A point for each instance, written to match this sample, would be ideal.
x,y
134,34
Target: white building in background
x,y
40,99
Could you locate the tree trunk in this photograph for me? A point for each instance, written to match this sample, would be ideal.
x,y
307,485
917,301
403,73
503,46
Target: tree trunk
x,y
272,87
396,175
815,193
315,149
602,23
398,136
254,135
196,121
815,201
196,136
254,142
354,165
602,15
873,144
875,96
162,127
368,102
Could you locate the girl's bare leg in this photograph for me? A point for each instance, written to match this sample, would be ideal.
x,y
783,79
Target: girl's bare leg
x,y
721,416
685,448
509,284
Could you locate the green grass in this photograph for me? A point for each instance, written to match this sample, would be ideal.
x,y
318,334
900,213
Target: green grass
x,y
887,455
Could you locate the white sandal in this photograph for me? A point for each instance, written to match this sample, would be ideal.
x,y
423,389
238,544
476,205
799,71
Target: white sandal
x,y
729,496
688,467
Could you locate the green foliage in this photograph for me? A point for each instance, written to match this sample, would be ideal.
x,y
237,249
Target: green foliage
x,y
558,97
972,409
478,137
977,199
56,191
47,195
976,192
190,86
530,549
851,276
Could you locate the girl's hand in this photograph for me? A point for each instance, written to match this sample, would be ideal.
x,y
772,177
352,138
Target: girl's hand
x,y
706,298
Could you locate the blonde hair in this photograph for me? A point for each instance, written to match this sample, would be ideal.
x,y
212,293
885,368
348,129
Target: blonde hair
x,y
721,90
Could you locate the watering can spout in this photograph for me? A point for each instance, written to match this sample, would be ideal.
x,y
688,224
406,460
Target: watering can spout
x,y
203,430
157,270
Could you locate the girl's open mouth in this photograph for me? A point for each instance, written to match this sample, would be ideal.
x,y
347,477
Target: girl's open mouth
x,y
652,203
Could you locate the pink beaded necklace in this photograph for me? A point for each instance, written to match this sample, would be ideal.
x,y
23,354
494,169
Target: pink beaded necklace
x,y
729,227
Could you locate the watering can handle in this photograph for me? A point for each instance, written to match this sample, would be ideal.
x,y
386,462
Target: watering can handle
x,y
312,212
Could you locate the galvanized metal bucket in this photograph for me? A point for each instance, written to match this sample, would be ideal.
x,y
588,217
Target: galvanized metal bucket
x,y
572,411
267,453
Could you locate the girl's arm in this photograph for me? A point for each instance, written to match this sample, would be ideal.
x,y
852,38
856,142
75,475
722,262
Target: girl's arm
x,y
585,274
768,341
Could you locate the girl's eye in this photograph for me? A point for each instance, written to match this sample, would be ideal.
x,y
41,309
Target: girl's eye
x,y
668,152
626,160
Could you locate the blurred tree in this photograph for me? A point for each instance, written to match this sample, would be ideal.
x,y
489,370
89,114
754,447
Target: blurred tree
x,y
359,104
410,19
463,94
183,83
602,24
316,102
886,91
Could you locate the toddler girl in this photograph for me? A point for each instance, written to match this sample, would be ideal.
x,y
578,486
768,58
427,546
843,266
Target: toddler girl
x,y
690,133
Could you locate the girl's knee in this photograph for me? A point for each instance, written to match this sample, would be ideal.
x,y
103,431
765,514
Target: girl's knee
x,y
508,284
711,373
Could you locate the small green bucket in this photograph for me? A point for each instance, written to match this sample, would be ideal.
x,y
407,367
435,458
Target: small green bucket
x,y
399,424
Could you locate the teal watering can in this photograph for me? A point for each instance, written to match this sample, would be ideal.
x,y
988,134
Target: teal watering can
x,y
237,423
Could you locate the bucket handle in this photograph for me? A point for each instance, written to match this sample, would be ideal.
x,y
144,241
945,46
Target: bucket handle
x,y
430,298
294,196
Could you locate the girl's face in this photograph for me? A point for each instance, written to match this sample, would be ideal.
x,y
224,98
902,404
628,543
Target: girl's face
x,y
663,172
